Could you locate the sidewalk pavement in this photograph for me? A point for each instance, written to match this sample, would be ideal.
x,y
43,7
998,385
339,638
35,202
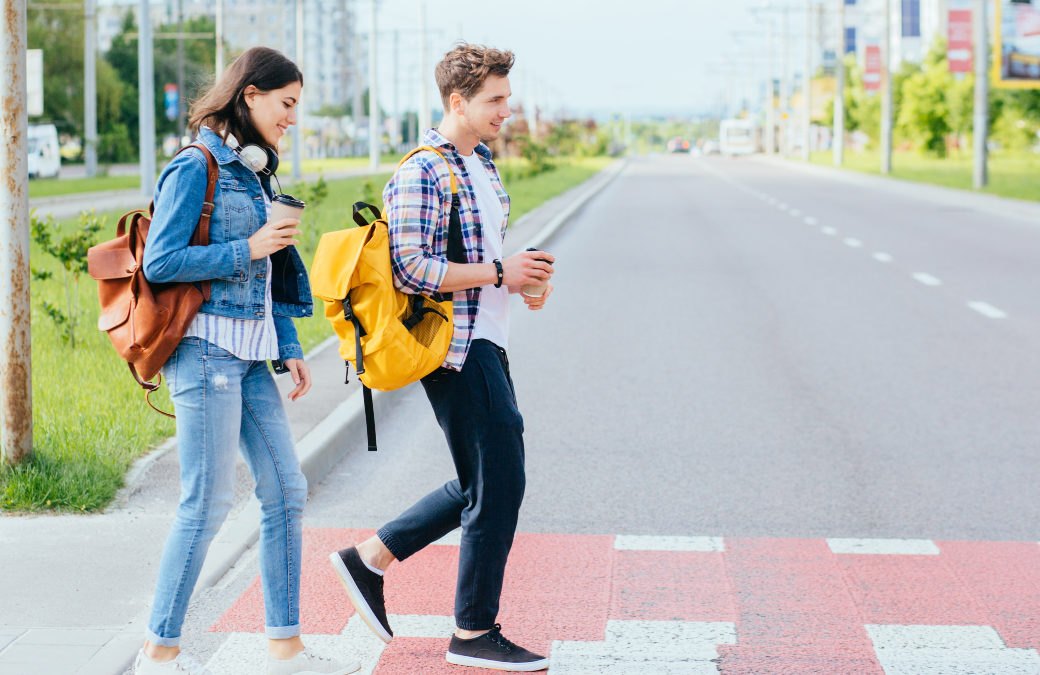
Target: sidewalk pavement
x,y
77,589
69,206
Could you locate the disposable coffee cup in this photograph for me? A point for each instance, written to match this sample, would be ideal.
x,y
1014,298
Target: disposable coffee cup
x,y
285,206
536,290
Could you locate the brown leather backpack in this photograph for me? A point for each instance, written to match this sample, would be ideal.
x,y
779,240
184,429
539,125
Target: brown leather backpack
x,y
146,321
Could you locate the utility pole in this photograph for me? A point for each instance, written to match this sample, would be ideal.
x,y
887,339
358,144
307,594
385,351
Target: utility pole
x,y
980,130
219,30
146,97
373,103
180,72
15,339
886,91
807,82
90,87
770,97
355,105
297,134
425,120
839,96
396,136
785,42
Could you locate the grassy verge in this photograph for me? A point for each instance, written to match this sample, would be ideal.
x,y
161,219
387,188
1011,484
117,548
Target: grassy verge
x,y
1010,174
90,421
51,187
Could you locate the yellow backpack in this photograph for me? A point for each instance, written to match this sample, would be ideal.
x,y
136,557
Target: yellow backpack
x,y
392,338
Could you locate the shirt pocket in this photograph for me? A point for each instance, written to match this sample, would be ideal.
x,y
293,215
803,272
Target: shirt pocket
x,y
238,208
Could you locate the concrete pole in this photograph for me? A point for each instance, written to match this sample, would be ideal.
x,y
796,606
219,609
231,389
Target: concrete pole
x,y
374,136
886,91
839,96
15,340
356,108
146,97
425,115
770,97
180,72
90,87
807,83
297,131
395,137
219,30
980,131
785,44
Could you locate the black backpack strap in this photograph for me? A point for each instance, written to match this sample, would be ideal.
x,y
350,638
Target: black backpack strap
x,y
370,418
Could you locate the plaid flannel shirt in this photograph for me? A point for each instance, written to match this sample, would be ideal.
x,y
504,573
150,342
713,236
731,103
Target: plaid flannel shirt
x,y
417,204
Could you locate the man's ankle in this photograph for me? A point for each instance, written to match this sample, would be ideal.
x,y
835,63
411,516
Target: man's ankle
x,y
375,553
463,634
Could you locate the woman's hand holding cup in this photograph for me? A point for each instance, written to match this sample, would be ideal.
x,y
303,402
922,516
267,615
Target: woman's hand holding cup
x,y
273,237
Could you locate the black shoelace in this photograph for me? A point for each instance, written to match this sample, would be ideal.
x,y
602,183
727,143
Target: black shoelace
x,y
495,635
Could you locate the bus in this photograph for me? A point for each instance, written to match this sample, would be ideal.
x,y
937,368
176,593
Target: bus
x,y
739,137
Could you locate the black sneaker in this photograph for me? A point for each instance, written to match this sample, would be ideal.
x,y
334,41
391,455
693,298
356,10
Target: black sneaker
x,y
492,650
365,589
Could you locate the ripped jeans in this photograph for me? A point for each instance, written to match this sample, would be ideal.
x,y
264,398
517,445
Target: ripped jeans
x,y
224,403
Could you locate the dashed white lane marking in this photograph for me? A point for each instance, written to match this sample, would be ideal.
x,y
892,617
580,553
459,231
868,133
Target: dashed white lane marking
x,y
796,212
986,309
852,242
884,546
829,231
809,220
918,650
646,648
927,279
881,256
782,207
625,542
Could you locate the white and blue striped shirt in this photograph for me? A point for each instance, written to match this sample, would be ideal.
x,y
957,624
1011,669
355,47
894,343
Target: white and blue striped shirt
x,y
248,339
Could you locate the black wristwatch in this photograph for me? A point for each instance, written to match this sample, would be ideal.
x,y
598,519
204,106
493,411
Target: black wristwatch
x,y
498,270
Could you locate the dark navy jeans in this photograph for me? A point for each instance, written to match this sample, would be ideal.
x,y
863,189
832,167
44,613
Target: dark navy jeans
x,y
476,408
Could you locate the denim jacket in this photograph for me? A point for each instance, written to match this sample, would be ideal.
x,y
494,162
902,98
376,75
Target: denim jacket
x,y
237,284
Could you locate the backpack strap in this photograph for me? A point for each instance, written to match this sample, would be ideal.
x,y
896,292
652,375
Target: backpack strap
x,y
456,249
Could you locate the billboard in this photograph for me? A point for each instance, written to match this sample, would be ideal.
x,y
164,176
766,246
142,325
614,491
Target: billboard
x,y
1017,62
872,68
959,40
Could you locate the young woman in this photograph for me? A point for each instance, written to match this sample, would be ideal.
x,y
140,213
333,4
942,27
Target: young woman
x,y
223,393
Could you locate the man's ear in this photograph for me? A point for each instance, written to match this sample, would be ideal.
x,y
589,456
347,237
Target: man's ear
x,y
455,102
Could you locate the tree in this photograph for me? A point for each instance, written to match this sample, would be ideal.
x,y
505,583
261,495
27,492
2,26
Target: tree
x,y
924,110
59,33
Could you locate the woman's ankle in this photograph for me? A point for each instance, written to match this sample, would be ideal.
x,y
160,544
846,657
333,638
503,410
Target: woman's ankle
x,y
285,648
160,654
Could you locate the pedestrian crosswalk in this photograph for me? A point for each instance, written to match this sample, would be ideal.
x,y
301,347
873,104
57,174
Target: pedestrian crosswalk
x,y
689,604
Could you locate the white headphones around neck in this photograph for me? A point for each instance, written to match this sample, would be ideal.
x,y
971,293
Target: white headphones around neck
x,y
261,159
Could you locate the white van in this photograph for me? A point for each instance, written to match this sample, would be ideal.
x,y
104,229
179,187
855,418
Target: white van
x,y
44,155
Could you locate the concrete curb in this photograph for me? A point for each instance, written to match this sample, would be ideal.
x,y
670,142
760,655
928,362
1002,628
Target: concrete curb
x,y
319,450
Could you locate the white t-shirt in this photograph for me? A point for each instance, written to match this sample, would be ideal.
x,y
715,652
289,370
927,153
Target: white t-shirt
x,y
493,313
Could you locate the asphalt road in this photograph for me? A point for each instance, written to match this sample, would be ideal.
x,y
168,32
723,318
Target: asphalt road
x,y
741,349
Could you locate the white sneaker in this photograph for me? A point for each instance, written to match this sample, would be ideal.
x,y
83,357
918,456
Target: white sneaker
x,y
182,665
309,663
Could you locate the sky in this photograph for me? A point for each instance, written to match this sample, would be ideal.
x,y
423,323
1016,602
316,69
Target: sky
x,y
582,57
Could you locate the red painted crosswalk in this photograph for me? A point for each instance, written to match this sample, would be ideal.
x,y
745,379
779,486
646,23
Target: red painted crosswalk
x,y
745,606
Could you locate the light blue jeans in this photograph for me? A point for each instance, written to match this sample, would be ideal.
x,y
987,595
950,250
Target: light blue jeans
x,y
223,403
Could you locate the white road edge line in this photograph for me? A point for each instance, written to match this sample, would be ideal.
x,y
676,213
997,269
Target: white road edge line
x,y
881,256
988,310
926,279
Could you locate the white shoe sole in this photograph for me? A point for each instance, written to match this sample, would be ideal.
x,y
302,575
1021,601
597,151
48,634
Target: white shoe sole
x,y
358,600
497,665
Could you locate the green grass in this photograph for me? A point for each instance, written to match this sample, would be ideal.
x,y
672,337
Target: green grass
x,y
90,421
52,187
1010,174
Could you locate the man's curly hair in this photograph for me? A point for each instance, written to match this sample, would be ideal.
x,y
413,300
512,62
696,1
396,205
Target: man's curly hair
x,y
466,67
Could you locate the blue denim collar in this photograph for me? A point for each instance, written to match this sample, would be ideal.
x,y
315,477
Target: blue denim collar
x,y
222,153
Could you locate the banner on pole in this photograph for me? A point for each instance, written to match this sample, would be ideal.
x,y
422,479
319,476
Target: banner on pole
x,y
1017,54
872,68
34,82
959,40
170,100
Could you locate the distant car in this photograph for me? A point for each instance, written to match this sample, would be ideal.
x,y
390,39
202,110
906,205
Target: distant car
x,y
678,144
44,155
710,147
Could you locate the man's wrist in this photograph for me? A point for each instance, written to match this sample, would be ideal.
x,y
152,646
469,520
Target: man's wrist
x,y
499,273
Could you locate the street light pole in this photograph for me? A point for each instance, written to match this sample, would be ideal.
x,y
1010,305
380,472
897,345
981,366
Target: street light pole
x,y
297,134
425,120
146,97
219,30
90,87
886,91
839,96
770,98
807,83
15,340
373,103
980,129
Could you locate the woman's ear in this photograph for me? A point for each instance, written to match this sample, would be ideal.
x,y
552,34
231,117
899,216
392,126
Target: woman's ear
x,y
249,94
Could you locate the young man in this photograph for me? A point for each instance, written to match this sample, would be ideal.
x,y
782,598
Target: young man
x,y
472,393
